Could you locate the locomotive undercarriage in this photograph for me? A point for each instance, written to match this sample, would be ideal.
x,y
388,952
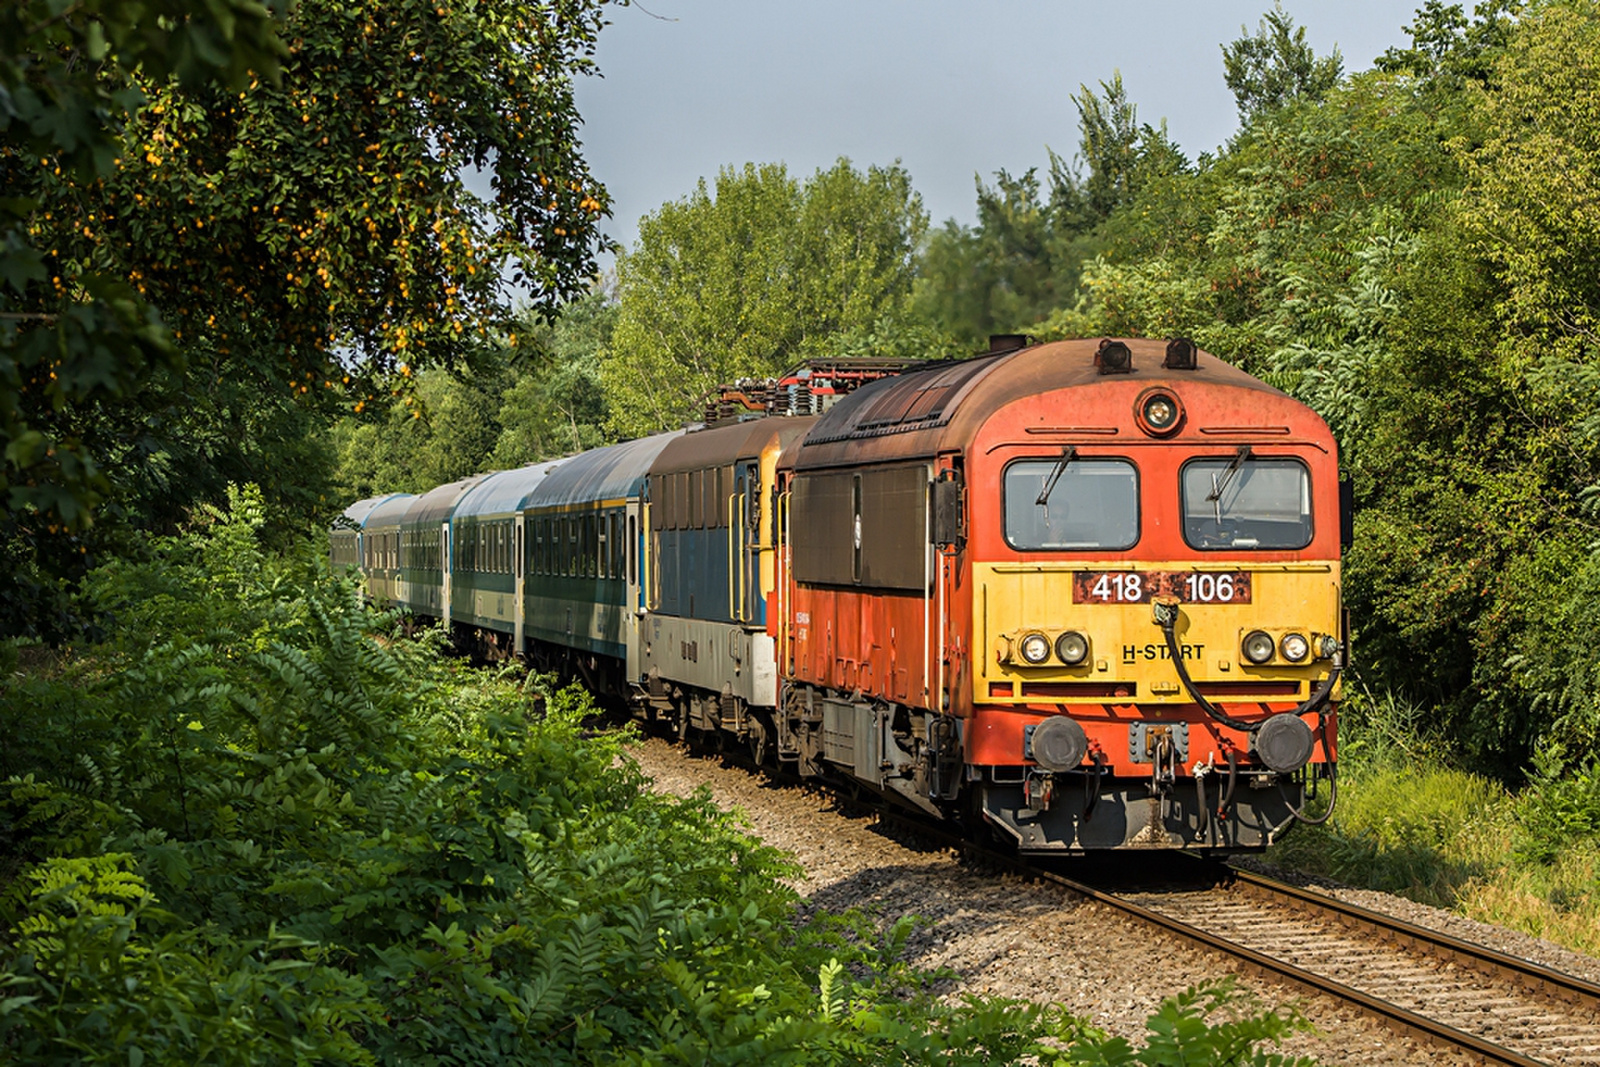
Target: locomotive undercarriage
x,y
909,756
1077,811
914,759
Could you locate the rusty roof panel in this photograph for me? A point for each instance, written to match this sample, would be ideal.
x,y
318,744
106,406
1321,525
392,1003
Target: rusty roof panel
x,y
939,409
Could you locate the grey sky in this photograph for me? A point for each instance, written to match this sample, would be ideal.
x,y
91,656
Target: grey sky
x,y
951,89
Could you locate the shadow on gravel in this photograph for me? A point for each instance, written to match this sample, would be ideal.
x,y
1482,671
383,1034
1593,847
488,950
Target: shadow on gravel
x,y
968,920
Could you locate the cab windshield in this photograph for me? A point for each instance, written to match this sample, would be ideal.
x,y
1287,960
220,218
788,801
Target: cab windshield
x,y
1246,502
1071,504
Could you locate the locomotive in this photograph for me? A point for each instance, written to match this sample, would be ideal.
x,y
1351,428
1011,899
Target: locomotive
x,y
1084,595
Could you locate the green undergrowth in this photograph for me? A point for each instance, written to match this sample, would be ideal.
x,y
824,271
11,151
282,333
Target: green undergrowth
x,y
1409,822
260,825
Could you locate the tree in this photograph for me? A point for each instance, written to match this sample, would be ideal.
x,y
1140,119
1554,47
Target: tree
x,y
306,237
1276,66
1010,270
752,278
557,404
1448,50
1021,261
227,265
72,329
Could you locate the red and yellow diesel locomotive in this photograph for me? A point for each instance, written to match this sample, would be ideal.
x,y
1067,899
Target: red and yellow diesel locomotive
x,y
1085,594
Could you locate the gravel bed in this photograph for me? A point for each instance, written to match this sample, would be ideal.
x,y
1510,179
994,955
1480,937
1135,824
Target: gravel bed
x,y
1000,935
1528,947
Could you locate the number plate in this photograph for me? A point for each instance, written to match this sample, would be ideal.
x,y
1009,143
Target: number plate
x,y
1140,587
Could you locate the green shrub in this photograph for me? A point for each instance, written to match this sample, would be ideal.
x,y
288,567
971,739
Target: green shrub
x,y
259,825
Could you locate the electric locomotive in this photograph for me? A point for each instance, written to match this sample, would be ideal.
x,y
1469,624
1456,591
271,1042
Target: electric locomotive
x,y
1085,594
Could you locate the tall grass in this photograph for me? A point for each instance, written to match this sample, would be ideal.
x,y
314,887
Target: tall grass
x,y
1410,823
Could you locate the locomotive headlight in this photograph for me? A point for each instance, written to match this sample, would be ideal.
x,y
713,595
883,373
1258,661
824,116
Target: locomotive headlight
x,y
1072,648
1294,647
1257,646
1035,648
1158,412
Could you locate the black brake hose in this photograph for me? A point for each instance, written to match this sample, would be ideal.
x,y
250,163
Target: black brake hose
x,y
1205,809
1092,785
1167,617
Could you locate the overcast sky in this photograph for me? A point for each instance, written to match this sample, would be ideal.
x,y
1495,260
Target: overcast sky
x,y
952,89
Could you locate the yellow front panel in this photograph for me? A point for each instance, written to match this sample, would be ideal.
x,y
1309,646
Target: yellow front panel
x,y
1128,658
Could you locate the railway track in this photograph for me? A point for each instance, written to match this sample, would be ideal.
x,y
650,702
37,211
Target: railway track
x,y
1476,1002
1489,1006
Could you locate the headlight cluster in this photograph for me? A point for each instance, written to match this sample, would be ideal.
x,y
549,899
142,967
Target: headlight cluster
x,y
1034,648
1258,647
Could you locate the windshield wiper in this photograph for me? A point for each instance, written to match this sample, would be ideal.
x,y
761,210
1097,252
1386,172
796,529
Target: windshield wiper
x,y
1219,484
1055,476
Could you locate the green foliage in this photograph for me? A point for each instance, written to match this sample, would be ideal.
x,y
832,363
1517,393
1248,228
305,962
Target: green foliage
x,y
1022,259
1181,1036
1561,809
1004,273
557,405
70,336
540,399
1276,66
260,825
1448,50
751,278
223,224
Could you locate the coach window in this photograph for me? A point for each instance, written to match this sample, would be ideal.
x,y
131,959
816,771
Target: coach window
x,y
1069,503
633,550
1246,502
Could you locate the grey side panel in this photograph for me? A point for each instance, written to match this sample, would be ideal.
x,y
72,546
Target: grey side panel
x,y
708,655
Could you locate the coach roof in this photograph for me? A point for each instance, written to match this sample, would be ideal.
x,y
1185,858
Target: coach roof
x,y
613,473
721,445
434,506
503,492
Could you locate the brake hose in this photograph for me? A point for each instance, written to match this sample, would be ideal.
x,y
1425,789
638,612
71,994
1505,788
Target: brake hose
x,y
1233,780
1167,617
1092,785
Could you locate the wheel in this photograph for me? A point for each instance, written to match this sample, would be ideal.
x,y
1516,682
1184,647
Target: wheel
x,y
760,739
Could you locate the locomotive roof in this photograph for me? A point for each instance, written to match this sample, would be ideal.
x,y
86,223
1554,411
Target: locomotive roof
x,y
503,492
391,512
722,445
434,506
925,412
611,473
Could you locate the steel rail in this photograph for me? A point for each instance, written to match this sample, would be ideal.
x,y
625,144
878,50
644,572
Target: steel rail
x,y
1532,976
1393,1015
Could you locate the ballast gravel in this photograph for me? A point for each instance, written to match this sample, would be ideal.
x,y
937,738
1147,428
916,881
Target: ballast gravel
x,y
1002,936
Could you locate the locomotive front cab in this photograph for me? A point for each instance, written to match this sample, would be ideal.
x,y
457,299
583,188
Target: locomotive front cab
x,y
1157,631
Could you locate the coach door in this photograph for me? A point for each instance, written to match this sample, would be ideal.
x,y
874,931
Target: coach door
x,y
447,565
633,579
744,543
518,582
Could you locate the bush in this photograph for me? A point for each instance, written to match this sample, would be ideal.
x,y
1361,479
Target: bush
x,y
258,825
